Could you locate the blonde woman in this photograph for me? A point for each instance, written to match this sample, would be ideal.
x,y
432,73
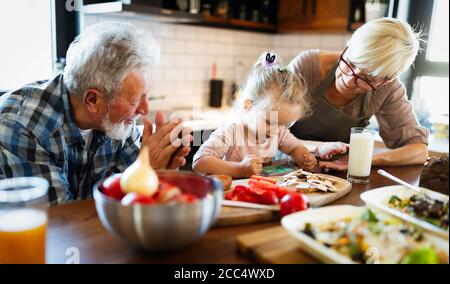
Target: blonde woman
x,y
350,87
272,100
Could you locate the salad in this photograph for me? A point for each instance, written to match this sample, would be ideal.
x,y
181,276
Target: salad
x,y
430,210
369,238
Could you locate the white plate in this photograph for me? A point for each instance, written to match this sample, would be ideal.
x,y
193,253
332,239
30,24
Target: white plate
x,y
296,222
378,199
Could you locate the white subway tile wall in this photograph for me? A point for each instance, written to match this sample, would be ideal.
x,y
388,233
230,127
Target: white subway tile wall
x,y
188,54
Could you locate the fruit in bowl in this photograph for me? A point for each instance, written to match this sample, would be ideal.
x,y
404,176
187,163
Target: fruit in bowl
x,y
139,184
167,216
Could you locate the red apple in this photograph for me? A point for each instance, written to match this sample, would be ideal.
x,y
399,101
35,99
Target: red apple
x,y
134,198
293,202
111,187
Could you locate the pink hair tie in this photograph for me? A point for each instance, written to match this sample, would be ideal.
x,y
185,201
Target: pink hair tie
x,y
269,61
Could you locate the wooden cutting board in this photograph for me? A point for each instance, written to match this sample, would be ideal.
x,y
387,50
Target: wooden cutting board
x,y
232,216
272,246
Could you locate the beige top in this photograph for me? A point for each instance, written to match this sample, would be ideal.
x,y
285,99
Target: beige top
x,y
394,112
231,144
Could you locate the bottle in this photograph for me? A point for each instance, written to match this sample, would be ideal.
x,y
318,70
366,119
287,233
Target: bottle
x,y
206,10
266,11
222,9
243,13
194,6
183,5
255,16
357,15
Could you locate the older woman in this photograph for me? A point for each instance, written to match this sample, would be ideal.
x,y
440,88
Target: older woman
x,y
348,88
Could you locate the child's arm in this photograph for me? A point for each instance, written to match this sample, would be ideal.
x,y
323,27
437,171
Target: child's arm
x,y
304,158
209,158
290,145
250,165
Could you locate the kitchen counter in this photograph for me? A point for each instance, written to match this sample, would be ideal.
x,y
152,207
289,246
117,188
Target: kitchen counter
x,y
77,225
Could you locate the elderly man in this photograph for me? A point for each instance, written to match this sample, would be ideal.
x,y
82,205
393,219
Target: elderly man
x,y
80,126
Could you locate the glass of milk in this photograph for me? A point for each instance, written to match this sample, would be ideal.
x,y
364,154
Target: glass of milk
x,y
23,220
360,155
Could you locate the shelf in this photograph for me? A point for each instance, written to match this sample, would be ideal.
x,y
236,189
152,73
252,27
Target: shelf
x,y
220,22
252,25
136,10
215,20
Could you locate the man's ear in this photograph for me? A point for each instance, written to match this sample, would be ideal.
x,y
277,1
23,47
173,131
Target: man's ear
x,y
248,104
93,99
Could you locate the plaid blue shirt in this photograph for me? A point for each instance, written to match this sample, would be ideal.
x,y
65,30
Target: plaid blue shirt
x,y
38,137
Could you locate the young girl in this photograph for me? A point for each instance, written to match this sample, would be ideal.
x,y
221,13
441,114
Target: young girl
x,y
273,99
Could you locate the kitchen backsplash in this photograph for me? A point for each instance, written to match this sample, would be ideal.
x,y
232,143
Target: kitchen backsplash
x,y
189,52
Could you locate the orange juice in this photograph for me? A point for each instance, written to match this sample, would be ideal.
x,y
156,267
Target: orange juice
x,y
22,236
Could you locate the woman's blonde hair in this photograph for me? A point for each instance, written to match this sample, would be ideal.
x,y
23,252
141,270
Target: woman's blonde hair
x,y
384,47
268,74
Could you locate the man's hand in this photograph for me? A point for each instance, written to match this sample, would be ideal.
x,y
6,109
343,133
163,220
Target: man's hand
x,y
167,148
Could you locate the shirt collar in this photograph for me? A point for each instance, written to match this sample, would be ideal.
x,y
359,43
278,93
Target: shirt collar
x,y
72,134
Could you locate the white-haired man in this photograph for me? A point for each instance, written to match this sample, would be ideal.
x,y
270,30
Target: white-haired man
x,y
80,126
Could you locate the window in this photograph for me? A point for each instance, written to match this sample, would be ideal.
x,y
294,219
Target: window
x,y
26,42
430,88
438,45
434,93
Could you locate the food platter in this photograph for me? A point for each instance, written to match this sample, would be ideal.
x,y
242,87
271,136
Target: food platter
x,y
383,199
326,233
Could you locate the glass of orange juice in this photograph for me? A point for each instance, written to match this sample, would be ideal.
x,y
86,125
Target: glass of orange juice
x,y
23,220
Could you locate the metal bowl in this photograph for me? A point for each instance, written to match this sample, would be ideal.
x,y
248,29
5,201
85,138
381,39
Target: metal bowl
x,y
163,227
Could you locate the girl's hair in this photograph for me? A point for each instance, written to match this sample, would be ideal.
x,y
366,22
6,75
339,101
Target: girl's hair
x,y
269,75
385,47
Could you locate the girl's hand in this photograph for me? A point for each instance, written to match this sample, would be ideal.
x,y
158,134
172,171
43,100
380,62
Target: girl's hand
x,y
309,162
326,151
251,165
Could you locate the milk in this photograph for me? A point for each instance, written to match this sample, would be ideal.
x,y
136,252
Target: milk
x,y
360,156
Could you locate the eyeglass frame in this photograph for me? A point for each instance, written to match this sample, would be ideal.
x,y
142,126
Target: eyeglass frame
x,y
341,58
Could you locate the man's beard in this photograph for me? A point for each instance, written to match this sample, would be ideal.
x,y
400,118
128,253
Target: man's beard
x,y
117,131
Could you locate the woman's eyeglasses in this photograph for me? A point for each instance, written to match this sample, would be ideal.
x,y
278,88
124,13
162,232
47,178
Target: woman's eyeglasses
x,y
365,84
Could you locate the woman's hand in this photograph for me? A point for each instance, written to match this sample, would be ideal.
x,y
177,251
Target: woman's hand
x,y
251,165
340,165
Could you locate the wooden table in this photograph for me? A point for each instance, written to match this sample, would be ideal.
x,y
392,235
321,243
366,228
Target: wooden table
x,y
77,226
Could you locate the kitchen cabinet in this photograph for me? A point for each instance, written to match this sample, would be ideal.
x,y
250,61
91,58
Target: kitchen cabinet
x,y
313,15
240,14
